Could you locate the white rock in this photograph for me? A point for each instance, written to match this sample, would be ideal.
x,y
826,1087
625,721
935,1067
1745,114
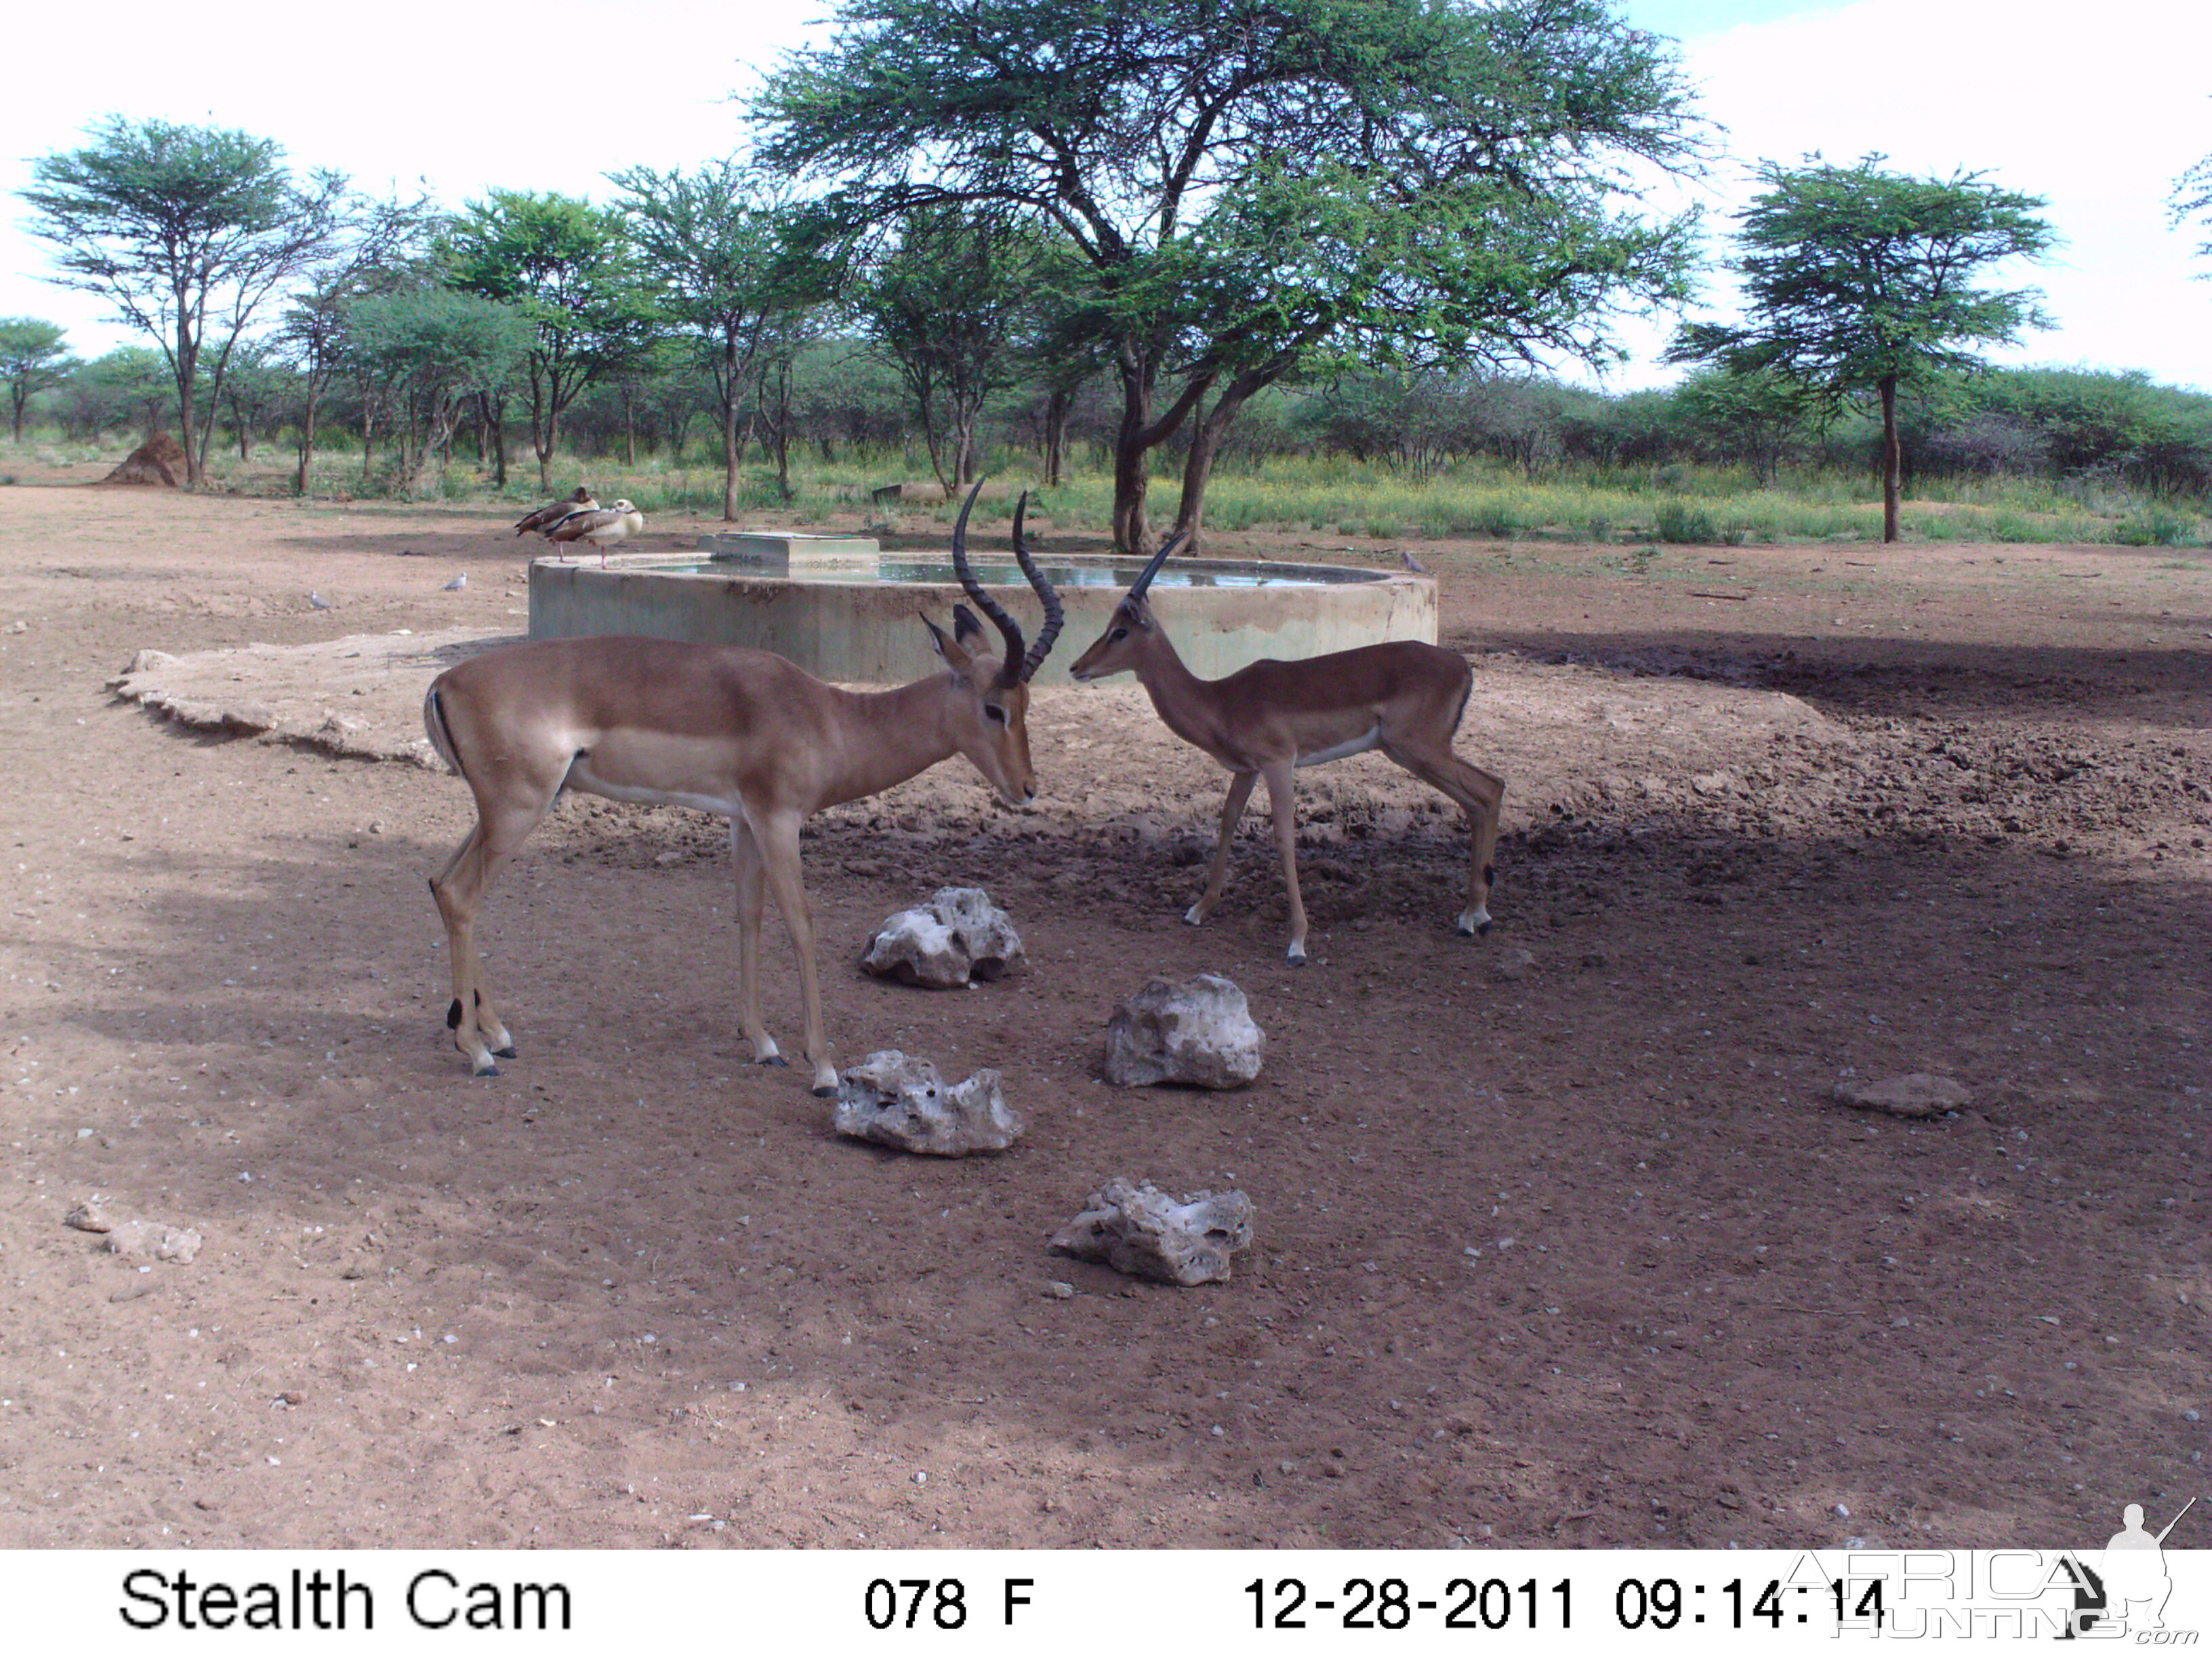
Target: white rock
x,y
1140,1230
1916,1094
958,938
1200,1031
88,1216
902,1102
163,1243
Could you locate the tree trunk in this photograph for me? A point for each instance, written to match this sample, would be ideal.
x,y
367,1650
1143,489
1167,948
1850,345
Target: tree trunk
x,y
1892,459
733,454
629,430
1206,442
18,391
367,446
494,414
1132,535
303,480
1056,436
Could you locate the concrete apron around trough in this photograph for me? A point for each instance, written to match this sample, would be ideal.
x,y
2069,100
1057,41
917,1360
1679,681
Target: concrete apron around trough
x,y
872,633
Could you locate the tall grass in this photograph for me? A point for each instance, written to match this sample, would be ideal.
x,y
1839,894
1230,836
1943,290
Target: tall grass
x,y
1329,496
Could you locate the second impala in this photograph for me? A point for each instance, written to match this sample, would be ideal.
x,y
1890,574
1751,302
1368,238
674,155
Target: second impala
x,y
1269,718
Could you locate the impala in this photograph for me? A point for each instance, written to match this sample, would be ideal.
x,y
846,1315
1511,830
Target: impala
x,y
741,733
1269,718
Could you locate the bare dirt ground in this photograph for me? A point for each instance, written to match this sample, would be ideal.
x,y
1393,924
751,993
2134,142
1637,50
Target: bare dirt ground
x,y
1585,1255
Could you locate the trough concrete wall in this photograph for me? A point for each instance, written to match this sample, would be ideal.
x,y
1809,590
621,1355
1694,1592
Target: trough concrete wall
x,y
872,634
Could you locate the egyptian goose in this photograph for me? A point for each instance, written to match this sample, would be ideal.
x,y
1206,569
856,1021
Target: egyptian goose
x,y
602,528
546,517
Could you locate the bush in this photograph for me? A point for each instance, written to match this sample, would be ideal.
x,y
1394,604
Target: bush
x,y
1680,523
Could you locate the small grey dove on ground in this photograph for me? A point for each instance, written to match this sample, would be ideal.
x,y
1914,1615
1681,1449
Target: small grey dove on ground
x,y
455,585
319,602
1412,563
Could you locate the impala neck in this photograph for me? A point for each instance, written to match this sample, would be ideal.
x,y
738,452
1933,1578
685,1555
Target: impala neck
x,y
895,735
1178,695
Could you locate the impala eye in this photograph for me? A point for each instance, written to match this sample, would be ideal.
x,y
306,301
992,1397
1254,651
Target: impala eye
x,y
1119,634
995,713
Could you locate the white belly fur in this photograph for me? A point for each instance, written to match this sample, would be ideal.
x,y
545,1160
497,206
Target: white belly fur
x,y
581,777
1350,746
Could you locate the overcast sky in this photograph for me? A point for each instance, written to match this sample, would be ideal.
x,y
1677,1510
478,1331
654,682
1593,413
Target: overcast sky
x,y
2098,108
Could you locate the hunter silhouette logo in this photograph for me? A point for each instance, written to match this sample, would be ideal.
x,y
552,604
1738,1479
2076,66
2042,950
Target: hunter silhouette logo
x,y
2132,1585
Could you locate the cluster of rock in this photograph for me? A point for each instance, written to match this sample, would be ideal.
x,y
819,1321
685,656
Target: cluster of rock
x,y
1199,1032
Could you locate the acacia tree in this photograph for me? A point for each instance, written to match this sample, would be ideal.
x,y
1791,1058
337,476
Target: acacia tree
x,y
32,358
2192,199
187,231
435,349
1754,415
378,250
1249,185
724,244
950,302
1857,280
571,269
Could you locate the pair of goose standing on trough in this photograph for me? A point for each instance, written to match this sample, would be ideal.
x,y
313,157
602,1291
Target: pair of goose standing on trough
x,y
578,518
753,738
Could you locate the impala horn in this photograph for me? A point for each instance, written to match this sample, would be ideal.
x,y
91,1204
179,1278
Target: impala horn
x,y
1045,593
1136,593
1017,665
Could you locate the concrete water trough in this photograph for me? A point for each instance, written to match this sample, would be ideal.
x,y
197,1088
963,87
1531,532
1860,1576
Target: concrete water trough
x,y
854,618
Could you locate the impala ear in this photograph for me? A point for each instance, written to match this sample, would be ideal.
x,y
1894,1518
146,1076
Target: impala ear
x,y
954,656
965,625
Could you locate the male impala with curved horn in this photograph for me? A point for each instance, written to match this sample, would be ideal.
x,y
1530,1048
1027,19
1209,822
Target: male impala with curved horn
x,y
1269,718
731,730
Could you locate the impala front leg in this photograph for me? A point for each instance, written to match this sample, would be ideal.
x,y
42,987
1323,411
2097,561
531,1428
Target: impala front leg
x,y
1282,800
746,856
1232,811
778,841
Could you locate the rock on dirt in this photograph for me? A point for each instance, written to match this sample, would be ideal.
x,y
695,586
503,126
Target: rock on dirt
x,y
1199,1031
1916,1094
901,1101
89,1217
1141,1231
152,1238
959,938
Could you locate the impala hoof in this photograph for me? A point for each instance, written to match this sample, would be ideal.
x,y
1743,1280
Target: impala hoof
x,y
507,1053
772,1060
486,1071
825,1092
1295,958
1194,917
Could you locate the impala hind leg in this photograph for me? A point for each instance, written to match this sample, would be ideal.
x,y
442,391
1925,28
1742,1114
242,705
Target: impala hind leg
x,y
745,855
1480,795
459,889
778,843
1282,802
1232,809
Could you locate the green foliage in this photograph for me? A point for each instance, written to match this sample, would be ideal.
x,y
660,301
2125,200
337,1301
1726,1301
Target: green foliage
x,y
1678,522
1251,188
34,355
1854,275
187,231
950,302
573,271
